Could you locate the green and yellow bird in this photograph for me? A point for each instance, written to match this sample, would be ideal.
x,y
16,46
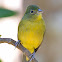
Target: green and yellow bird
x,y
31,28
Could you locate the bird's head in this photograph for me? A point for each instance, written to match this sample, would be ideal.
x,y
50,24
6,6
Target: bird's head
x,y
34,11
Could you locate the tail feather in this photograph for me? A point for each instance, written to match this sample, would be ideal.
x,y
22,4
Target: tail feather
x,y
27,58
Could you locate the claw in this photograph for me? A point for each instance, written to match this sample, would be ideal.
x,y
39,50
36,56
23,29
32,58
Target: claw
x,y
17,43
32,56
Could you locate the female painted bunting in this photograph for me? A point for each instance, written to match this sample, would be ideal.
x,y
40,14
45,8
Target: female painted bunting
x,y
31,29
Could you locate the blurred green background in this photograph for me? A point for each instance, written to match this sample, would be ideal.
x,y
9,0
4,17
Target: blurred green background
x,y
51,48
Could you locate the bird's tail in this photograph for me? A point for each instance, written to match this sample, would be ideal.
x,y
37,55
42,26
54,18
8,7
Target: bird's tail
x,y
31,51
27,58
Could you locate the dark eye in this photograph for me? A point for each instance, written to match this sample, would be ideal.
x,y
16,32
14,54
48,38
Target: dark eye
x,y
32,11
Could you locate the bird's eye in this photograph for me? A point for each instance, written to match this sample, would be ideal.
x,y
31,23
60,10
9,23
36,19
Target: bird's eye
x,y
32,11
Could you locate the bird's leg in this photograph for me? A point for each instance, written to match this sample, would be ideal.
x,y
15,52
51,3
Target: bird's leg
x,y
17,43
32,56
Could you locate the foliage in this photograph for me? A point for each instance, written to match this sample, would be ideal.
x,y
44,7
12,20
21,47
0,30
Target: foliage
x,y
6,12
0,60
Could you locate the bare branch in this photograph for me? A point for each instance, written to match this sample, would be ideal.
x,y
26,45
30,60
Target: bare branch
x,y
20,47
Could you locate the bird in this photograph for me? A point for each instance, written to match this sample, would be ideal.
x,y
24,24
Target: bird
x,y
31,29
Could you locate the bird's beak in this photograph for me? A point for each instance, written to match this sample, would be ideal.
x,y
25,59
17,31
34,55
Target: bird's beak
x,y
39,10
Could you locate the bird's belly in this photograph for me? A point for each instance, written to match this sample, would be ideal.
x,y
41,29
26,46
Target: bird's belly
x,y
30,39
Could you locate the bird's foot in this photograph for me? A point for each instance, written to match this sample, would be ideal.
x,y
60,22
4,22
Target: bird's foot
x,y
17,43
32,56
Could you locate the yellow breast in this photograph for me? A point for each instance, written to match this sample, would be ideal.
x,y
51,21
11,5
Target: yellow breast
x,y
31,35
